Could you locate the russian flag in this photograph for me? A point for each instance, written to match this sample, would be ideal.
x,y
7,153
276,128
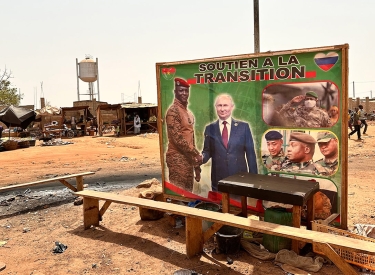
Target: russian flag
x,y
326,61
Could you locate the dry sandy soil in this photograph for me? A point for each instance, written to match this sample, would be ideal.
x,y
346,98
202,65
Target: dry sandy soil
x,y
124,244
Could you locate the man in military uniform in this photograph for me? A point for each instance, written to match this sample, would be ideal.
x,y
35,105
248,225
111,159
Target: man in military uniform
x,y
306,115
328,145
274,146
299,154
182,156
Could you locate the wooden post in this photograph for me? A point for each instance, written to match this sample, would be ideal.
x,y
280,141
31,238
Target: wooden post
x,y
244,206
90,212
79,181
310,212
296,222
194,236
225,202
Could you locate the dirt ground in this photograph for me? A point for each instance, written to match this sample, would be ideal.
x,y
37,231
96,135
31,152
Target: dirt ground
x,y
124,244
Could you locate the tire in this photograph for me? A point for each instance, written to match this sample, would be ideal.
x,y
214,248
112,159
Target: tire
x,y
70,134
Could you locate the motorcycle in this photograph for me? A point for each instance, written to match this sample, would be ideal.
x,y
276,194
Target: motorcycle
x,y
66,132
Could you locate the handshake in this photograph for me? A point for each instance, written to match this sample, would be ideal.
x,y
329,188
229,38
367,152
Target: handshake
x,y
198,161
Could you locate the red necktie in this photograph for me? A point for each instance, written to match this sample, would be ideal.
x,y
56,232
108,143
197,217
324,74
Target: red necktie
x,y
224,134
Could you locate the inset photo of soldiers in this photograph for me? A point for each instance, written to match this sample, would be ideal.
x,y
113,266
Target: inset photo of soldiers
x,y
301,105
300,152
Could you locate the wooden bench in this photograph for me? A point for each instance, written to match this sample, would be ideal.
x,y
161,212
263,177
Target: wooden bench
x,y
276,189
62,179
195,238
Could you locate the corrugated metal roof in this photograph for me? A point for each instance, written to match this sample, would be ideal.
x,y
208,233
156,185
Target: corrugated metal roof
x,y
138,105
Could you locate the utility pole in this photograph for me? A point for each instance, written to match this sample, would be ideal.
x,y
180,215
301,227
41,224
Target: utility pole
x,y
353,90
41,89
256,26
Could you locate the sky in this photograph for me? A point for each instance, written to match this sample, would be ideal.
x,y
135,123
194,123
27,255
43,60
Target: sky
x,y
42,39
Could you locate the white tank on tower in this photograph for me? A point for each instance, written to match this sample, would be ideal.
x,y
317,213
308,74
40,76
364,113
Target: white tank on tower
x,y
87,70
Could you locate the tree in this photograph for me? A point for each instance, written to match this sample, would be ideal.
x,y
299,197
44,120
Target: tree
x,y
8,95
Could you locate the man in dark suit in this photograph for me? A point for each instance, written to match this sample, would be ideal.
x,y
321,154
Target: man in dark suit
x,y
229,143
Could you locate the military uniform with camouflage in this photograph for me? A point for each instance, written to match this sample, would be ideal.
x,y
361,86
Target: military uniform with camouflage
x,y
299,154
307,167
328,165
181,153
307,115
277,156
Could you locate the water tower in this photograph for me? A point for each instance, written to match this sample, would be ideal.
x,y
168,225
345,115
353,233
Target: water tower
x,y
87,71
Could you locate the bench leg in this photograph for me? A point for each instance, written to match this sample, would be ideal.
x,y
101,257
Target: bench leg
x,y
194,236
346,268
296,222
310,212
225,202
90,212
67,184
79,181
244,206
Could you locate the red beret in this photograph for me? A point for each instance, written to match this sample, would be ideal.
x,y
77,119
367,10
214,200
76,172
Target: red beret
x,y
181,82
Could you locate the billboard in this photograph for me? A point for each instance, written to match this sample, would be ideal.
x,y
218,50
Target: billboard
x,y
282,114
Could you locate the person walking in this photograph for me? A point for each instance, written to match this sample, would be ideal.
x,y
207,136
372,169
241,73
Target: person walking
x,y
356,124
350,120
117,130
362,117
137,125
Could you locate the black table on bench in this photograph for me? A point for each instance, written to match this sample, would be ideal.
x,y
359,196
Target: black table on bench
x,y
276,189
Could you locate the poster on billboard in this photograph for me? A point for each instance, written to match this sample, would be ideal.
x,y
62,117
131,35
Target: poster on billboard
x,y
282,114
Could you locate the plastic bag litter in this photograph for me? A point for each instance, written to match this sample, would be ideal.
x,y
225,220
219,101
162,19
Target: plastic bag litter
x,y
367,230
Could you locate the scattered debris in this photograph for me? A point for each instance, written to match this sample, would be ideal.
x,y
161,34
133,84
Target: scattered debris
x,y
78,201
186,272
56,143
293,270
100,183
123,158
2,266
366,230
59,247
149,183
25,230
